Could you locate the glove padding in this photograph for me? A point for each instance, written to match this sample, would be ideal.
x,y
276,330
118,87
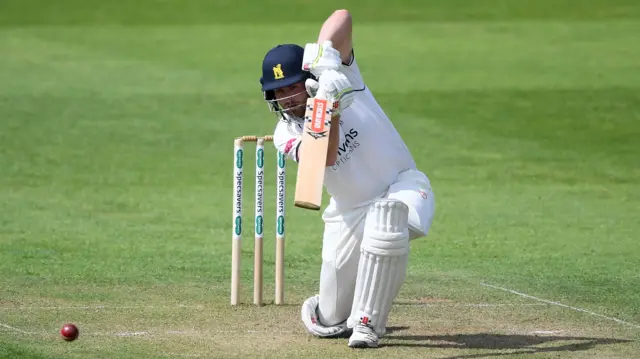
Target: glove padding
x,y
312,323
312,87
319,58
334,86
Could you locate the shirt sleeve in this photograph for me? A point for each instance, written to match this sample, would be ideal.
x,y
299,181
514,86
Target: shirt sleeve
x,y
287,138
352,72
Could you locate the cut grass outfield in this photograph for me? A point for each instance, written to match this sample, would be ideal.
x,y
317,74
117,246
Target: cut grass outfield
x,y
116,123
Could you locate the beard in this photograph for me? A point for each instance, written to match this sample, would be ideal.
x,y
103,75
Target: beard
x,y
298,111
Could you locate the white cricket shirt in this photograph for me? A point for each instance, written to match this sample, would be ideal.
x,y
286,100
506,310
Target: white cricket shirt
x,y
371,153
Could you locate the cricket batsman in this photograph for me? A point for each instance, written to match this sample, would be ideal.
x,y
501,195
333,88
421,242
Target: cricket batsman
x,y
379,200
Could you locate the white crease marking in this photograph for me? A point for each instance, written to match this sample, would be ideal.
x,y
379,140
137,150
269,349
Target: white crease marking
x,y
561,305
547,332
14,329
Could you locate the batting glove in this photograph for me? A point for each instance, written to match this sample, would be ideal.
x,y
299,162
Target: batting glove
x,y
312,87
319,58
335,86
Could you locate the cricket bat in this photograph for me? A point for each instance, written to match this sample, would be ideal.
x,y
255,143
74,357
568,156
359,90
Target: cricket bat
x,y
313,153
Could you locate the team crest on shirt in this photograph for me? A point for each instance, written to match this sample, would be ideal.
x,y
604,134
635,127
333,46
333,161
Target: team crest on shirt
x,y
423,194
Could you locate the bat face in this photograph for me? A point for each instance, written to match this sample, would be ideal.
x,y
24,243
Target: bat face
x,y
313,153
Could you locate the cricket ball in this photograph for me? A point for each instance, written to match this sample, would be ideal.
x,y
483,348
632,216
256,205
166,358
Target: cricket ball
x,y
69,332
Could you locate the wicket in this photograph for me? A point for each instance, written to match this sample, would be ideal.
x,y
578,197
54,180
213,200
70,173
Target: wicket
x,y
259,219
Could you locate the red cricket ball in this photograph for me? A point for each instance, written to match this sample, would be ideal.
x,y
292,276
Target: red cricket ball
x,y
69,332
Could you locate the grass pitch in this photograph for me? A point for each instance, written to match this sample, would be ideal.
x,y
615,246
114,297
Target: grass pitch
x,y
116,128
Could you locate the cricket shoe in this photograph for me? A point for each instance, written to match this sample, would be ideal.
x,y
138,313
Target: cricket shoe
x,y
363,336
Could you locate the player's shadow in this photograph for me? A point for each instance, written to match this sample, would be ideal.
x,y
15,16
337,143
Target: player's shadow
x,y
528,344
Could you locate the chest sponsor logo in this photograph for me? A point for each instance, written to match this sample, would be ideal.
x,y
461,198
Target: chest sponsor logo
x,y
346,148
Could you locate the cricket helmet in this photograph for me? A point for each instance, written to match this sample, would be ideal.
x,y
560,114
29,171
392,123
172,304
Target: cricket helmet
x,y
282,67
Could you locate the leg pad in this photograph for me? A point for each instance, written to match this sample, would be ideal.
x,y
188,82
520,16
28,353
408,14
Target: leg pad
x,y
383,263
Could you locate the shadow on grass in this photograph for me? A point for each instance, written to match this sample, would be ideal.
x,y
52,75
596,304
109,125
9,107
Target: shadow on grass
x,y
527,343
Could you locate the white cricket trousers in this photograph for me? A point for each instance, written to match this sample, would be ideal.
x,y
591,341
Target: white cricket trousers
x,y
343,236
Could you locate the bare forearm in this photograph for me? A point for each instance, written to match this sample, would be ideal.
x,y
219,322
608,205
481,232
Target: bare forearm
x,y
334,141
337,28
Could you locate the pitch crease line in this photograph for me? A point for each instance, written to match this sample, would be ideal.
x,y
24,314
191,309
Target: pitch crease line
x,y
561,305
14,329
